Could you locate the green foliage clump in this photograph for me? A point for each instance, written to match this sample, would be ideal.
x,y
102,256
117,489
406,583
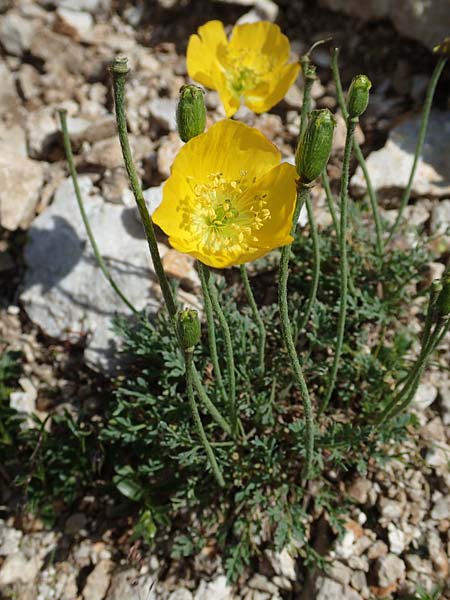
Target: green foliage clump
x,y
145,446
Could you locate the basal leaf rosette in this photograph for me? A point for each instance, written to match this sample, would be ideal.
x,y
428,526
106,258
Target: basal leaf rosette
x,y
252,66
228,199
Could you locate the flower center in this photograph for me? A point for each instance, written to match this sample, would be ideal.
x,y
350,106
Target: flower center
x,y
245,69
218,222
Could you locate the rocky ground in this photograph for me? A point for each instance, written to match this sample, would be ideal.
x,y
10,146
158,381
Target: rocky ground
x,y
55,54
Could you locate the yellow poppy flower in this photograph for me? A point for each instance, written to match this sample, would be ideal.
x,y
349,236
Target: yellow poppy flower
x,y
228,199
253,65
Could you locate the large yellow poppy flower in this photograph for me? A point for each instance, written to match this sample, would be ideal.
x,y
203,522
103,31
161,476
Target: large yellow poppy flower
x,y
252,66
228,199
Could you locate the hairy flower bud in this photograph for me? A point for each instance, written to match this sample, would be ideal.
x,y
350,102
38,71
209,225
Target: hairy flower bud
x,y
191,112
314,148
358,96
188,328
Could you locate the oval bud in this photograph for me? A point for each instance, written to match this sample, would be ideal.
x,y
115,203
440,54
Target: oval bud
x,y
191,112
358,96
314,149
188,328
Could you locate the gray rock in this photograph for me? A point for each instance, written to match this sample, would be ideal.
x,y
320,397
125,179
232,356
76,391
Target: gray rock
x,y
65,292
17,568
129,584
9,539
16,33
9,98
19,195
391,569
217,588
98,580
13,140
25,402
425,396
390,167
163,110
92,6
440,218
107,153
327,589
339,572
42,130
441,509
359,490
283,563
427,22
181,594
73,23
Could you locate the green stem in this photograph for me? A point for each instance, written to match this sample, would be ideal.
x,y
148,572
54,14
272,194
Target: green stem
x,y
228,349
420,140
395,407
359,155
87,226
343,264
316,268
330,201
211,328
256,316
119,71
309,76
198,422
288,337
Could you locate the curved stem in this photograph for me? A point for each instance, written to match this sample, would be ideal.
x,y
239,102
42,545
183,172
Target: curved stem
x,y
420,140
257,317
316,268
309,76
188,358
395,407
211,328
343,264
119,71
288,338
73,173
359,155
228,349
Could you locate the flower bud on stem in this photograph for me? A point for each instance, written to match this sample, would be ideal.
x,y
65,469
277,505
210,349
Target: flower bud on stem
x,y
191,112
119,70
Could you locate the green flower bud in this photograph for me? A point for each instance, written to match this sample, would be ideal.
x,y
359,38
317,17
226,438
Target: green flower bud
x,y
191,112
358,96
314,149
188,328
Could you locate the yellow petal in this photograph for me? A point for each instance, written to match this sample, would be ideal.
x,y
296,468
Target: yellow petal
x,y
280,81
170,213
228,147
264,37
230,101
279,189
201,55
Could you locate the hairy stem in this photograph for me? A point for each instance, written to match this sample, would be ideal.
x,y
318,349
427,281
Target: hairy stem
x,y
343,264
420,140
359,156
228,349
288,337
257,317
119,71
316,267
204,275
198,422
73,173
330,201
